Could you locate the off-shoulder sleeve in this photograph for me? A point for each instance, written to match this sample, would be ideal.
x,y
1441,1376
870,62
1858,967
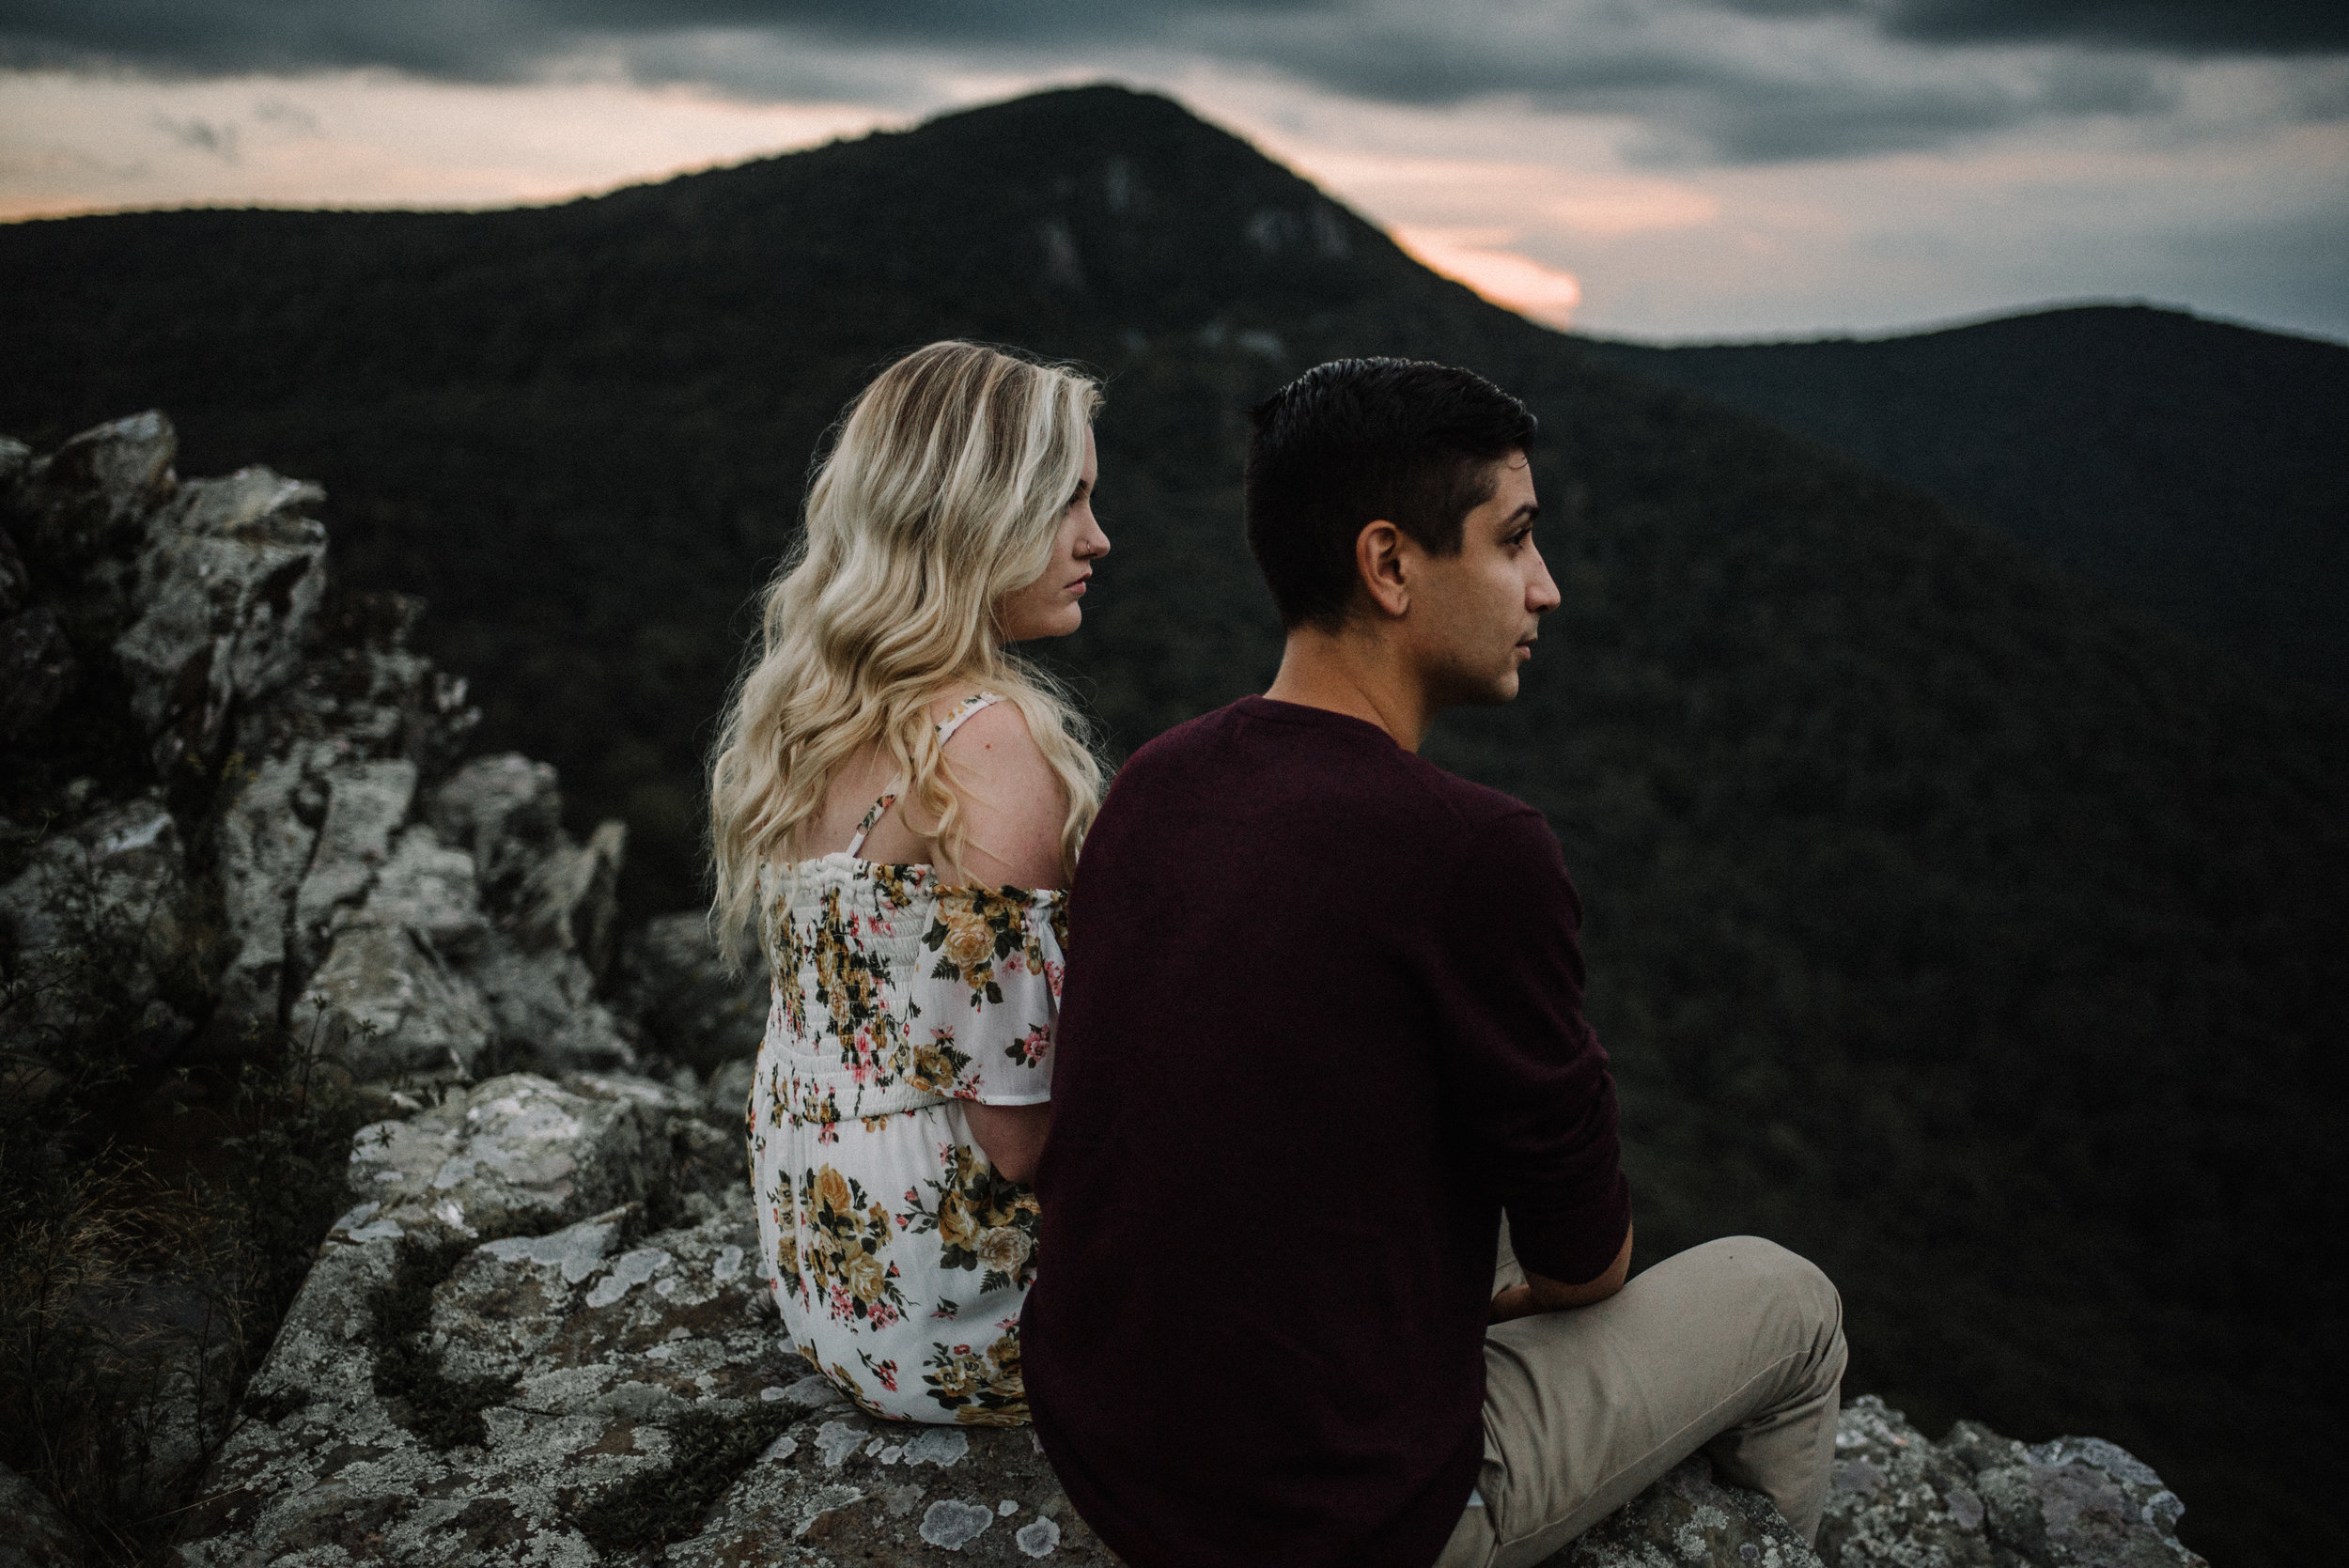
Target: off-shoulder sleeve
x,y
989,993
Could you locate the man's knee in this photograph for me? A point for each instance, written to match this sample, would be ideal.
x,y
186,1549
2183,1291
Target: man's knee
x,y
1793,1293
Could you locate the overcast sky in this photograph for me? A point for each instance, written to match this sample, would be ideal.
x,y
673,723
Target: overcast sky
x,y
1666,169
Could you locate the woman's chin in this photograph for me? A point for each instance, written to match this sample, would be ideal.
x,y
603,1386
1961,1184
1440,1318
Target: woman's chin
x,y
1058,624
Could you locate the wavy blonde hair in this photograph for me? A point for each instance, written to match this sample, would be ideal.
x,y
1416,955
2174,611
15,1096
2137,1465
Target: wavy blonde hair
x,y
943,492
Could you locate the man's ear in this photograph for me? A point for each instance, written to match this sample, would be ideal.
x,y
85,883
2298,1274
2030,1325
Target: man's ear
x,y
1378,562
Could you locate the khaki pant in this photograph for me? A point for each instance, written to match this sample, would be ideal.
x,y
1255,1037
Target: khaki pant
x,y
1734,1347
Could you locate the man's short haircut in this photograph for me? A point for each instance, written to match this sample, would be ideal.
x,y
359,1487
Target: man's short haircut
x,y
1358,440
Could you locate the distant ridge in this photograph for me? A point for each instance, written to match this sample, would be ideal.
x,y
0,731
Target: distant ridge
x,y
1949,921
2198,469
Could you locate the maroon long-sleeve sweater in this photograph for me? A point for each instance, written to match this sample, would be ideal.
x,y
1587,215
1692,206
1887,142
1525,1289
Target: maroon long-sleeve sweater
x,y
1322,1023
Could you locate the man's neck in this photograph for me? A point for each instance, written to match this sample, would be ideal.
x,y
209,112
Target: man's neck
x,y
1356,674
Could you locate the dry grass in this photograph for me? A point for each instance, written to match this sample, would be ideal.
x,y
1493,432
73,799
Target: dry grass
x,y
155,1222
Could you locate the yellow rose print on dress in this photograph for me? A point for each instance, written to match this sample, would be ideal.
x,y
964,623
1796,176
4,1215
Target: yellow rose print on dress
x,y
982,1387
982,1222
846,1235
898,885
976,929
937,1066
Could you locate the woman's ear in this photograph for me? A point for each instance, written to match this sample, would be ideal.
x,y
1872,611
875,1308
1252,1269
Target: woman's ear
x,y
1378,562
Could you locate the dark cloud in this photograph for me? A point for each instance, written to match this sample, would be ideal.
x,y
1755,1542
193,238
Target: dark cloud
x,y
1733,80
2192,26
503,39
1705,96
491,40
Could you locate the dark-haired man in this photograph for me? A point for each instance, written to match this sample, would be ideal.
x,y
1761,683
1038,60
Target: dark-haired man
x,y
1322,1031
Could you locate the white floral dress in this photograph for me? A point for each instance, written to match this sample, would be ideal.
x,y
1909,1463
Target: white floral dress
x,y
899,1258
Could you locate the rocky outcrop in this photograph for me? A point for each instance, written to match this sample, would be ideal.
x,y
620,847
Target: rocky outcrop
x,y
230,574
531,1345
306,851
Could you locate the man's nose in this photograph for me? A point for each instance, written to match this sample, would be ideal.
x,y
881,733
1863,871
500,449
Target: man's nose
x,y
1541,594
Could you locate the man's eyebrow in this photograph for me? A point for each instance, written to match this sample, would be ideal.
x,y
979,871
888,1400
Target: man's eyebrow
x,y
1525,513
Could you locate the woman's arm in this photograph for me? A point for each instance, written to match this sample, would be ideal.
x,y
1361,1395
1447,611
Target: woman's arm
x,y
1013,806
1011,1135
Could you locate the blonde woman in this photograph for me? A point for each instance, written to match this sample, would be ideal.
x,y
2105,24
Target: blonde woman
x,y
899,802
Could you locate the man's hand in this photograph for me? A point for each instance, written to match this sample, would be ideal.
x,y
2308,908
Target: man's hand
x,y
1538,1295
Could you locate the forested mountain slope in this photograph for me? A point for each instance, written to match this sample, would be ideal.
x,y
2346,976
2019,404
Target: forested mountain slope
x,y
2195,469
1948,922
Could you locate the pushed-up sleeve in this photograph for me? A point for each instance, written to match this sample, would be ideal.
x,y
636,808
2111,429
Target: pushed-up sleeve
x,y
1526,1072
989,994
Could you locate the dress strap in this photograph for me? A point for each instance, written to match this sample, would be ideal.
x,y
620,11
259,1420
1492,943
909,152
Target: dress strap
x,y
963,710
946,728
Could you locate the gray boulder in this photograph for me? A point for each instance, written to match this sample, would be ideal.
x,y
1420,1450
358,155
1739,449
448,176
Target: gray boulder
x,y
367,802
553,906
515,1154
570,902
503,1357
463,1336
265,838
231,573
693,1011
429,888
507,811
545,1009
362,690
729,1092
79,515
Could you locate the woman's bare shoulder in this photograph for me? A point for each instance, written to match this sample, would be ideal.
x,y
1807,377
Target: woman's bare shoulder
x,y
1013,803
